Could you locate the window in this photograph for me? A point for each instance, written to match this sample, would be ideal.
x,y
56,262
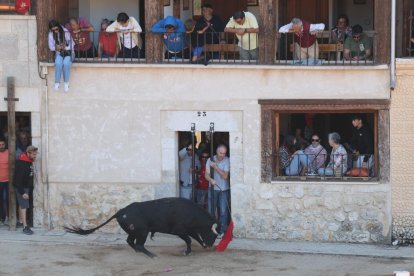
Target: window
x,y
288,152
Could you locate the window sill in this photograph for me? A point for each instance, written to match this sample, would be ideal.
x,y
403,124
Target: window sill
x,y
327,180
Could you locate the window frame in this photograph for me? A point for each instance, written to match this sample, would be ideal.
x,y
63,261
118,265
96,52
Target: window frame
x,y
270,114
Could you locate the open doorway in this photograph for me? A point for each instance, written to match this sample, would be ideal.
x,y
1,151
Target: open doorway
x,y
215,200
23,140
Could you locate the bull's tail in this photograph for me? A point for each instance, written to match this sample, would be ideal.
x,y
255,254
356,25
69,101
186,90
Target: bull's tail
x,y
80,231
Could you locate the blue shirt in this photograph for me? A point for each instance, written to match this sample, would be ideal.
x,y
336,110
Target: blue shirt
x,y
174,42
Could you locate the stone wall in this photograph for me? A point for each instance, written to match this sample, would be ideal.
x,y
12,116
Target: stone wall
x,y
402,151
350,212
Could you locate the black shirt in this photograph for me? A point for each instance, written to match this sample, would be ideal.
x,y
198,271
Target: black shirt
x,y
212,34
363,142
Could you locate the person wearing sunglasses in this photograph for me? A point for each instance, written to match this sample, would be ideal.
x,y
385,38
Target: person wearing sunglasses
x,y
342,30
316,154
61,43
202,184
359,46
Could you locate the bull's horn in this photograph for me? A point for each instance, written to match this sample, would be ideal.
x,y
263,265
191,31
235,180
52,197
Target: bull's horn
x,y
214,228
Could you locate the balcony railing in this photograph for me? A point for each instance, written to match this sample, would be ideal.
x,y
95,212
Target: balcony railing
x,y
223,48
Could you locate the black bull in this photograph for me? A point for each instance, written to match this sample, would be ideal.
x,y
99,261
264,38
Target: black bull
x,y
176,216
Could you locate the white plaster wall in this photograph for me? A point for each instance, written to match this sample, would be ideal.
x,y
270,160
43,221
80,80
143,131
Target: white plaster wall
x,y
358,14
120,124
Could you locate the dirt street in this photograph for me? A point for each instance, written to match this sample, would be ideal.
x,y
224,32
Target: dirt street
x,y
22,258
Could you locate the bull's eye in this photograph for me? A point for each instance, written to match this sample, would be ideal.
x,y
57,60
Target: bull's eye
x,y
124,216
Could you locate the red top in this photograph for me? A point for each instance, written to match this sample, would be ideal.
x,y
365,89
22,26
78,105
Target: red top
x,y
305,40
4,166
108,41
202,181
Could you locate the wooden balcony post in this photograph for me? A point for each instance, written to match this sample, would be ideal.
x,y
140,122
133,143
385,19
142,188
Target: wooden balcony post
x,y
176,8
45,10
382,26
154,11
267,27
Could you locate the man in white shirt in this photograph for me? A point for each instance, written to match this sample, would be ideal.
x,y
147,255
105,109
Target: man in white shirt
x,y
306,45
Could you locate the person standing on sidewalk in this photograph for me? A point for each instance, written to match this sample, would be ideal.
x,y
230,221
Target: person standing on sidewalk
x,y
4,181
23,181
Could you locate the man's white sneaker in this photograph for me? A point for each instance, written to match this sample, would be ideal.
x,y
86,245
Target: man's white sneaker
x,y
66,89
57,86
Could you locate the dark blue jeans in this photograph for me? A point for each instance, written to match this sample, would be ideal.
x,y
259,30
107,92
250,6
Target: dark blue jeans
x,y
4,199
221,200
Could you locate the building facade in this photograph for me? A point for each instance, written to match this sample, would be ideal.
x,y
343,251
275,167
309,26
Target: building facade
x,y
114,138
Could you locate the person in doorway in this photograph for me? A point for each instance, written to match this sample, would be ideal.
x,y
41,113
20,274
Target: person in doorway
x,y
359,46
246,28
128,31
23,181
61,43
362,143
220,164
23,141
186,180
342,30
293,161
337,165
306,45
173,34
316,155
202,187
80,30
107,42
4,182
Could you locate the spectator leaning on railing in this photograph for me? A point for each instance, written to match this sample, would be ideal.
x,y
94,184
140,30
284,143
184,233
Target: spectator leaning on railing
x,y
173,30
359,46
128,32
107,42
61,43
306,45
245,26
80,29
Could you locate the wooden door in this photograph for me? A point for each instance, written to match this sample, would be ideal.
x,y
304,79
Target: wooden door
x,y
226,9
315,11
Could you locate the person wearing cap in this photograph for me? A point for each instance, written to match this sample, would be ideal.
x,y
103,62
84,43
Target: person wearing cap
x,y
245,26
362,143
174,36
359,46
23,182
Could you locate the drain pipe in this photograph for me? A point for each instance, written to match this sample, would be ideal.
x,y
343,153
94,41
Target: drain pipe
x,y
392,64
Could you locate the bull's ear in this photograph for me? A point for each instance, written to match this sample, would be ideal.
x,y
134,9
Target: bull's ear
x,y
214,228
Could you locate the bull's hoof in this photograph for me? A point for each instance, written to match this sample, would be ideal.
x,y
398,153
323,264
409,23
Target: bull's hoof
x,y
186,252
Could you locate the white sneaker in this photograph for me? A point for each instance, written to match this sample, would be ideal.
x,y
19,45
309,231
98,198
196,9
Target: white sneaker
x,y
66,89
57,86
6,221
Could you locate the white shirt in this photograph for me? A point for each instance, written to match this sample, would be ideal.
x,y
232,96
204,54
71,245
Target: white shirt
x,y
128,42
313,28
